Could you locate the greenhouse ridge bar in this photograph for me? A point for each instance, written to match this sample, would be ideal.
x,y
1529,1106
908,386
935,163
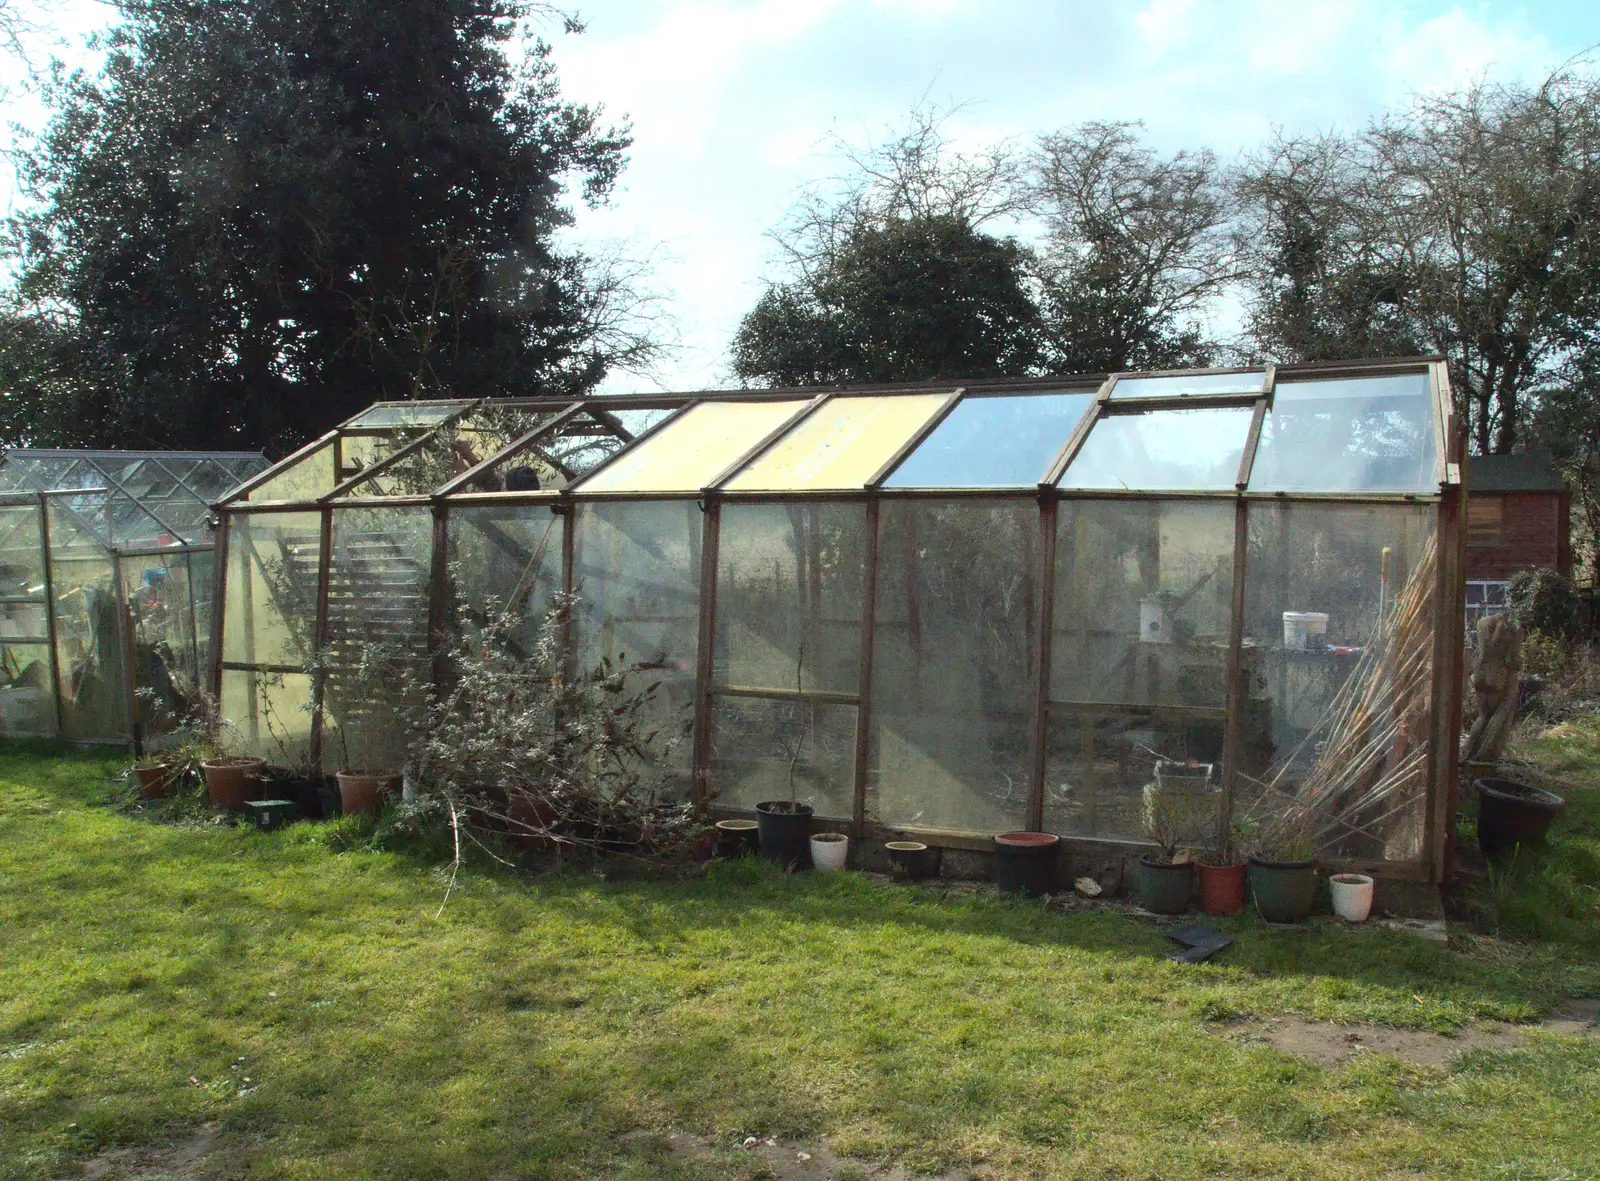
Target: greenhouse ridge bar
x,y
944,609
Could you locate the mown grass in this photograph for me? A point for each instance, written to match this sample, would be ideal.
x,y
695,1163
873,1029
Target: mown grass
x,y
147,971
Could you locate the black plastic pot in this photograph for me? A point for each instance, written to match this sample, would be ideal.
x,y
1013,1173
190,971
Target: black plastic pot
x,y
913,861
1024,862
303,789
1512,814
1285,891
737,838
1165,888
785,830
329,801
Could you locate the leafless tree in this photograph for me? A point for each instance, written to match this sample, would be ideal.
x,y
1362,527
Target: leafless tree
x,y
1137,247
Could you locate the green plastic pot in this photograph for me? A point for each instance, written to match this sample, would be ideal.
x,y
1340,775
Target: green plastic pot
x,y
1165,888
1285,891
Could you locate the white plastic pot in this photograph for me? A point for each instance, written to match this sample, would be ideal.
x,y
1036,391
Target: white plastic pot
x,y
1352,896
829,851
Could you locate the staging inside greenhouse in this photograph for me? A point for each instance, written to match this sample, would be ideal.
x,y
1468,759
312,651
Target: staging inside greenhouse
x,y
105,588
947,611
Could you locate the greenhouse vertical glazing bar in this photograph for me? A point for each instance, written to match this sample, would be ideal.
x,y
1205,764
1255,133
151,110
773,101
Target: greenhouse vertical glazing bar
x,y
320,635
219,601
1039,724
1234,701
711,527
124,617
50,617
869,608
438,592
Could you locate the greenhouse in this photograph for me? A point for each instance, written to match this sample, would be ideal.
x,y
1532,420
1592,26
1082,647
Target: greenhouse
x,y
939,610
105,608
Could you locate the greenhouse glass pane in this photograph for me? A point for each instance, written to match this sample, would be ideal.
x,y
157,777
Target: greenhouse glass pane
x,y
413,414
1162,451
694,449
994,442
1189,385
202,585
1334,571
165,667
767,750
958,585
375,659
505,560
1139,644
271,588
27,697
269,714
789,582
636,574
89,650
841,444
310,477
1364,434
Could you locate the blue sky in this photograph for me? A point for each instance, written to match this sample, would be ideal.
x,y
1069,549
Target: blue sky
x,y
732,102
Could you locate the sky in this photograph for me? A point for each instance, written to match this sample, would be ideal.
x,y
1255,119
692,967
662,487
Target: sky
x,y
734,103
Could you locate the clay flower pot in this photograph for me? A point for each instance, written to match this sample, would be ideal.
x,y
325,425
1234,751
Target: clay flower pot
x,y
360,791
233,780
1221,889
155,782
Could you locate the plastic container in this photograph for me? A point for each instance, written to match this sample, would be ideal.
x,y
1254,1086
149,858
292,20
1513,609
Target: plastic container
x,y
271,814
1221,889
913,861
829,851
785,833
1024,862
1303,631
1512,814
1352,896
1164,887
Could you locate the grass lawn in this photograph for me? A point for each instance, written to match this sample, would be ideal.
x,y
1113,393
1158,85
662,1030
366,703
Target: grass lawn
x,y
318,1011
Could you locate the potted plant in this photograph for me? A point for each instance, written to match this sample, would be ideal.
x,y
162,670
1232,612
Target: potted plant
x,y
1222,873
157,775
829,851
1512,814
1166,878
785,825
1283,880
362,790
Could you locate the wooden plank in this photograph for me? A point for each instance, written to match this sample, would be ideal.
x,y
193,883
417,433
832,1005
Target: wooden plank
x,y
1247,459
50,616
915,441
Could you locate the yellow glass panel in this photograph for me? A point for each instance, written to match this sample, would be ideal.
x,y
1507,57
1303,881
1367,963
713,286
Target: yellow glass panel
x,y
842,445
307,479
694,450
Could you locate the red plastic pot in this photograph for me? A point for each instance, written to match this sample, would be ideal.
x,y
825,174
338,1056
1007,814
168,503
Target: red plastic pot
x,y
1221,889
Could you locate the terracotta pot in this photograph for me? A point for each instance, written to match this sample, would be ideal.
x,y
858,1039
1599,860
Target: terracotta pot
x,y
359,791
155,782
231,782
1221,889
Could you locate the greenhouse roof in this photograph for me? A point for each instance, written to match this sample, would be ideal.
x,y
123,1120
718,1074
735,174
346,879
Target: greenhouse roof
x,y
132,499
1350,429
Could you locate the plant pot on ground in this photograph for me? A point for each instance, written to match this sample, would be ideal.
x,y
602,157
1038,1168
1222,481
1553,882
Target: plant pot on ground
x,y
1352,896
1285,888
1165,886
784,829
301,783
156,777
913,861
362,790
737,838
829,851
1024,862
232,780
1512,814
1222,881
1174,810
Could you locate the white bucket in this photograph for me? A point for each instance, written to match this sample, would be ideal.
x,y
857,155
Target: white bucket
x,y
1352,896
829,851
1155,620
1300,626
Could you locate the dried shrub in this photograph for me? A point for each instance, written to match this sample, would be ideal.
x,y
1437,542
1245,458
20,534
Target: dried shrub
x,y
1544,602
573,764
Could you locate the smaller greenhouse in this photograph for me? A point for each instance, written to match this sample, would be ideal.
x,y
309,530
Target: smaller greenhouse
x,y
938,611
105,587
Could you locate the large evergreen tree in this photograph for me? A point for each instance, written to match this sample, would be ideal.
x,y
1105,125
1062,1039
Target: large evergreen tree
x,y
264,214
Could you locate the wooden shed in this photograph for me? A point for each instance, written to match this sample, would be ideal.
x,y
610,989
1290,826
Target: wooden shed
x,y
1518,518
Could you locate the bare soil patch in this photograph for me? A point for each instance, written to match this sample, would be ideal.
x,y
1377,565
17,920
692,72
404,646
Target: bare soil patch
x,y
181,1158
1331,1046
780,1160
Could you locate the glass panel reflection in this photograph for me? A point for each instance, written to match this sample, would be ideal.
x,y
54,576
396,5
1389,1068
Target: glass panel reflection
x,y
1188,385
1163,450
1366,434
998,442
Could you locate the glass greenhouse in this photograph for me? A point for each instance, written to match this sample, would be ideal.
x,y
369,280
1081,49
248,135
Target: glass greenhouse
x,y
944,612
105,587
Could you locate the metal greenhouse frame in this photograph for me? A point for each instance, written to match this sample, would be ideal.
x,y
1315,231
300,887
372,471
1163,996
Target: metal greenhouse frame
x,y
105,587
950,609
